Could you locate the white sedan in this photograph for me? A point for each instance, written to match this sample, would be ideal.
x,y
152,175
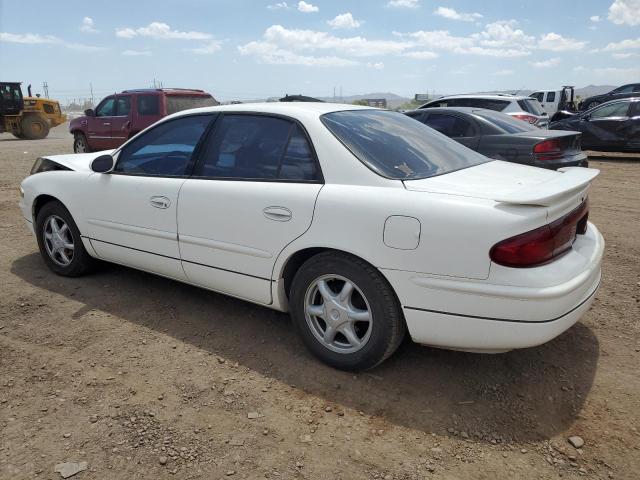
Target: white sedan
x,y
361,223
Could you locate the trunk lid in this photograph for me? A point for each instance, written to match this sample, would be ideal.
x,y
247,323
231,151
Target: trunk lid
x,y
510,183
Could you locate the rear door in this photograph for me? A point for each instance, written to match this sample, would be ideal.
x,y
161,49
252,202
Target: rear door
x,y
606,126
147,111
99,126
253,192
121,121
455,126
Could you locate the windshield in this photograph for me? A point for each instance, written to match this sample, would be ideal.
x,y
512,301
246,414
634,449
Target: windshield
x,y
396,146
531,106
506,123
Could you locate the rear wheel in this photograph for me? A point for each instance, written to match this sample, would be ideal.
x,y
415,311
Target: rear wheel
x,y
345,311
80,144
34,128
59,241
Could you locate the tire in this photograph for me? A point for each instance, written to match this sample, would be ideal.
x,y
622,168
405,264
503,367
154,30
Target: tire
x,y
18,135
375,340
34,128
52,246
80,144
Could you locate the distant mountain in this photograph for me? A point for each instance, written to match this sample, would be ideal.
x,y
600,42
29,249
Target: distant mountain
x,y
591,90
393,100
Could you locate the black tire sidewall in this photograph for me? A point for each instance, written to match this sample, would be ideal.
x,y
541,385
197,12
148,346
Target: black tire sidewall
x,y
382,302
81,259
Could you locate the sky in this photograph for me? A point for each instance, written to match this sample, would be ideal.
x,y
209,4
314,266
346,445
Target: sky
x,y
248,49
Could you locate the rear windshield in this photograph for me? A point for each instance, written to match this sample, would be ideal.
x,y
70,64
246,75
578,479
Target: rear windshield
x,y
505,123
396,146
177,103
531,106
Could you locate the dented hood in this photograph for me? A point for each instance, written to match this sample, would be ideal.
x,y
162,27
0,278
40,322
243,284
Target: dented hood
x,y
79,162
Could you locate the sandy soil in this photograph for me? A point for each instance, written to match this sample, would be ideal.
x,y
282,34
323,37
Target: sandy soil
x,y
143,377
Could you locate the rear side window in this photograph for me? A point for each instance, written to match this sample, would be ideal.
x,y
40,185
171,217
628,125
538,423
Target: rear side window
x,y
530,106
551,96
538,96
506,123
259,147
618,109
165,150
450,125
123,106
396,146
177,103
148,104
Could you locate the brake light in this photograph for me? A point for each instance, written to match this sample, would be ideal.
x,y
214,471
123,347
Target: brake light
x,y
527,118
548,150
543,244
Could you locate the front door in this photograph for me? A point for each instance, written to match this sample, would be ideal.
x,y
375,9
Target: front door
x,y
131,215
99,126
121,121
252,193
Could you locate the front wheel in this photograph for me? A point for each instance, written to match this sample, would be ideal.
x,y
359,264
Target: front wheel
x,y
59,241
80,144
345,311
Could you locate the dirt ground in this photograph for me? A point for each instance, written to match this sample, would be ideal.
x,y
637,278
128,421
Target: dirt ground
x,y
143,377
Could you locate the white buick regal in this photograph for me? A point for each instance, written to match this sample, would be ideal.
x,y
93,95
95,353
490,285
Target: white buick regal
x,y
361,223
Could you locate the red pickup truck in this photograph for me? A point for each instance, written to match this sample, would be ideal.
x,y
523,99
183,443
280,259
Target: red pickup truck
x,y
120,116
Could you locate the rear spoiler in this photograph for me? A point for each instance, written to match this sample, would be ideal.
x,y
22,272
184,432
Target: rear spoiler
x,y
572,180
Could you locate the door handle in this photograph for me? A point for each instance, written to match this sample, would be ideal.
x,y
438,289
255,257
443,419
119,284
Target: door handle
x,y
106,124
279,214
160,201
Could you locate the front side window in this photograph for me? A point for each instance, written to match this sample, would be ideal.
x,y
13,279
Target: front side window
x,y
165,150
551,97
123,106
148,105
106,108
618,109
538,96
531,106
259,147
450,125
396,146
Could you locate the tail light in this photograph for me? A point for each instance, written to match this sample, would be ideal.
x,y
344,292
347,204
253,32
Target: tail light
x,y
527,118
548,150
543,244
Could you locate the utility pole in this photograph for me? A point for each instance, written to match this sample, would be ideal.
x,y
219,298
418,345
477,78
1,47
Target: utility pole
x,y
334,94
341,100
45,87
91,89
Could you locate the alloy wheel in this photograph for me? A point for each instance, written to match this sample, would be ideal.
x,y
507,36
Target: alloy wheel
x,y
338,314
58,240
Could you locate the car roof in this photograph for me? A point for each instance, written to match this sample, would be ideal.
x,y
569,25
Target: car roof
x,y
164,90
283,108
489,96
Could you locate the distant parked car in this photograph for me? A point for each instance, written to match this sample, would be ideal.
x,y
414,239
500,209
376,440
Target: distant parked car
x,y
120,116
612,126
502,137
520,107
625,91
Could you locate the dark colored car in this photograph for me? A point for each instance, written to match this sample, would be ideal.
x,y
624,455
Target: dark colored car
x,y
120,116
612,126
625,91
503,137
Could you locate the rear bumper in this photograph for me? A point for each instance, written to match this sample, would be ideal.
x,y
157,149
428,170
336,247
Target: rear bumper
x,y
483,316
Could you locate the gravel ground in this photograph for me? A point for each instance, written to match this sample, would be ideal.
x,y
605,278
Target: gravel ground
x,y
143,377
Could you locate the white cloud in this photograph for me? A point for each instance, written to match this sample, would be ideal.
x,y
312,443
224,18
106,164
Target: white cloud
x,y
80,47
557,43
305,7
403,3
594,18
504,72
28,38
376,65
552,62
272,54
621,75
279,6
136,53
421,55
345,21
621,56
160,30
503,33
210,48
625,12
451,14
437,39
87,25
623,45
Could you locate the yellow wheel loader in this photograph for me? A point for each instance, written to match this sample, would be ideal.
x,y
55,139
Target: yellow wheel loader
x,y
30,117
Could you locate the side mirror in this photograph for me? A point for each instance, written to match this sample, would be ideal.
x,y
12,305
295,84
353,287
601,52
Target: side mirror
x,y
102,164
89,112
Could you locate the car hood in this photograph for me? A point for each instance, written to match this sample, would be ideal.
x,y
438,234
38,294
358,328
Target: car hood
x,y
506,182
79,162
